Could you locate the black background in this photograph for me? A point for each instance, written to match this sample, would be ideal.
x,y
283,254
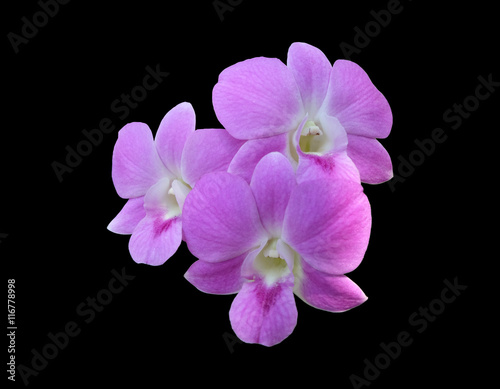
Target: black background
x,y
160,328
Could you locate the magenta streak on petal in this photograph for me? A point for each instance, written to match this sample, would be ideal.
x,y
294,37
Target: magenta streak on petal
x,y
264,314
313,167
326,164
160,226
267,295
155,239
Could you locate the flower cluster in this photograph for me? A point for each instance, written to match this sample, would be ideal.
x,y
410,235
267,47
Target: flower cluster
x,y
272,204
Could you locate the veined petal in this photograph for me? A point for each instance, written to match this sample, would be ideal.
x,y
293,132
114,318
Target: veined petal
x,y
311,70
252,151
130,215
329,167
264,314
207,151
272,183
217,278
175,128
333,293
257,98
136,164
155,239
158,236
371,159
328,224
356,102
220,218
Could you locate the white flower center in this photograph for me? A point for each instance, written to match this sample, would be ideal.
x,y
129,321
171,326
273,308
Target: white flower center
x,y
310,128
175,198
270,263
320,136
314,140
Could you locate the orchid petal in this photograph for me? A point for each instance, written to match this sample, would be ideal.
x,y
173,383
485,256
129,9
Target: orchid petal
x,y
155,240
328,224
217,278
257,98
272,183
252,151
333,293
330,167
136,164
264,314
207,151
175,128
220,218
371,159
353,99
158,236
311,70
129,216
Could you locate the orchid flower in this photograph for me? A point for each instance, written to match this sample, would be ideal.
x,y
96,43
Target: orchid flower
x,y
272,238
263,101
155,175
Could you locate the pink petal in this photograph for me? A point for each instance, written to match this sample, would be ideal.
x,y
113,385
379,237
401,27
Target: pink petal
x,y
252,151
136,164
155,239
371,159
257,98
329,167
158,236
129,216
264,314
207,151
356,102
217,278
311,70
220,218
328,223
334,293
272,183
177,125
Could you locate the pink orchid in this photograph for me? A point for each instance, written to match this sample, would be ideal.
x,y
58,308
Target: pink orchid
x,y
272,238
155,175
263,101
